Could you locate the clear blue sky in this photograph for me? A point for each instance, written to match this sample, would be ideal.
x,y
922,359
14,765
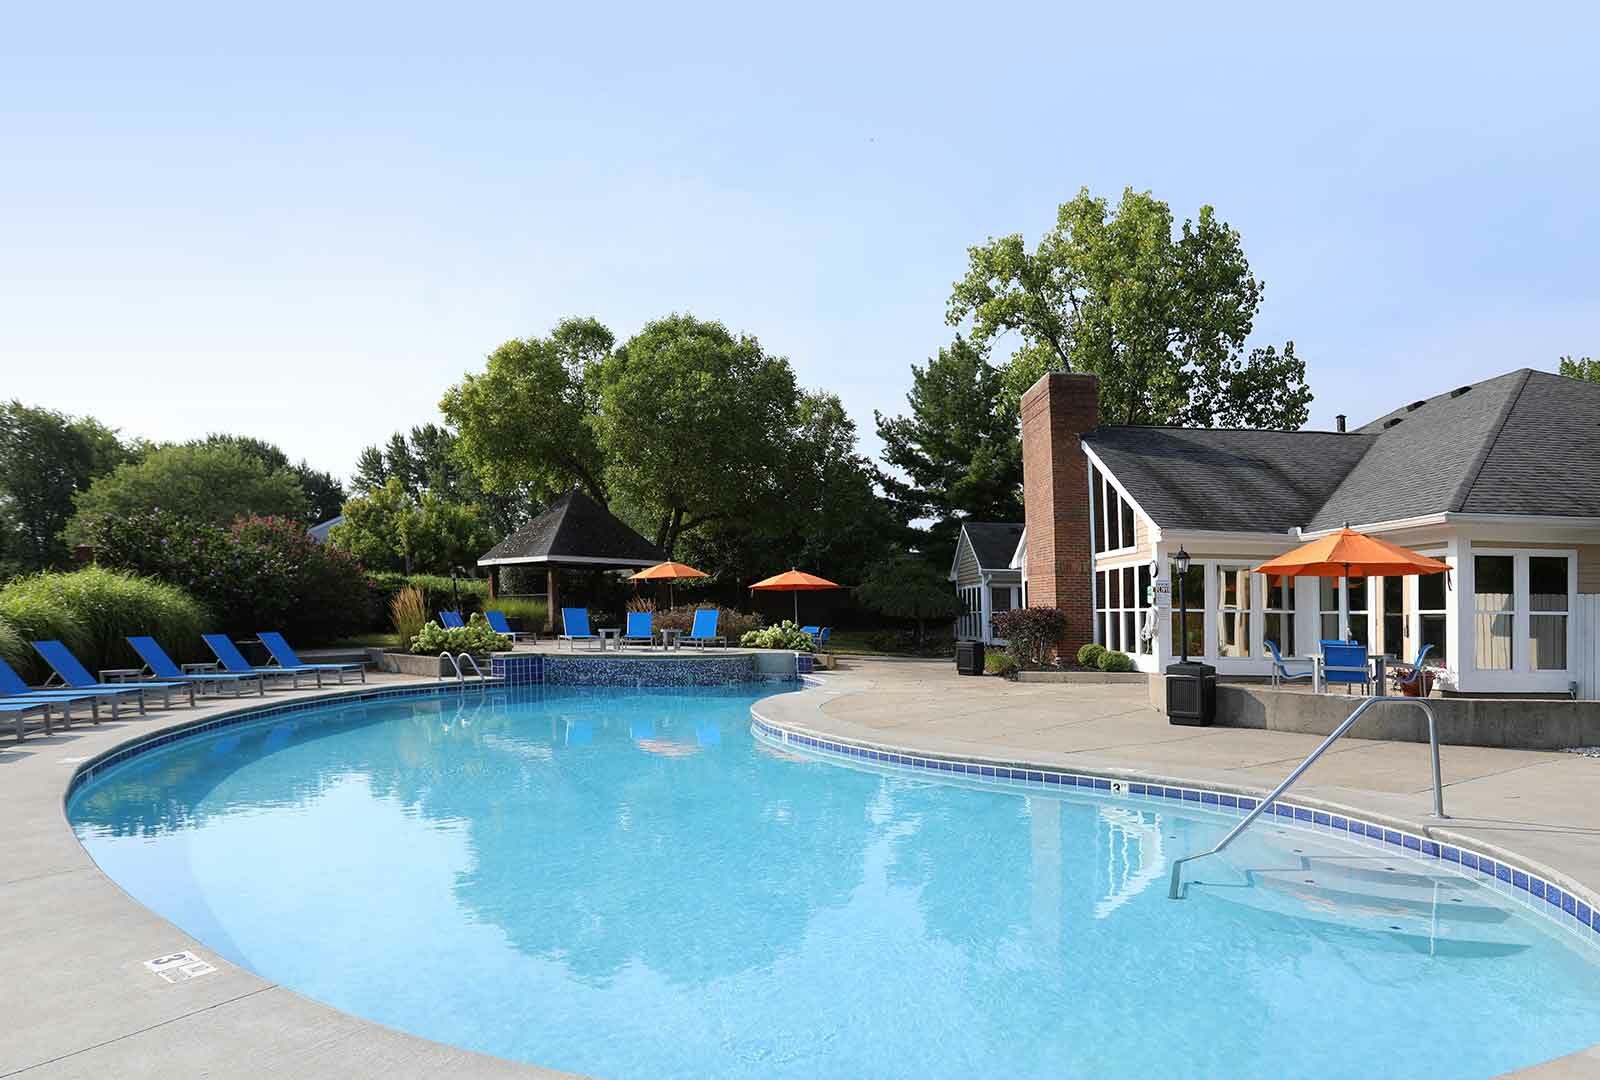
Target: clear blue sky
x,y
302,222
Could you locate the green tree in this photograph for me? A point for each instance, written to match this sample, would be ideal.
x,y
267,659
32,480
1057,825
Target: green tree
x,y
1161,318
525,424
957,454
694,422
389,529
1584,368
905,587
429,459
216,484
46,458
324,493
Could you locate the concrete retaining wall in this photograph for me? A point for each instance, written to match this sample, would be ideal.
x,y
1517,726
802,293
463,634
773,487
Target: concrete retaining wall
x,y
1516,724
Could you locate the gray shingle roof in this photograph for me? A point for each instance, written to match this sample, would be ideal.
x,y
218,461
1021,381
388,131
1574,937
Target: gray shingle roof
x,y
578,531
1209,478
1527,442
993,542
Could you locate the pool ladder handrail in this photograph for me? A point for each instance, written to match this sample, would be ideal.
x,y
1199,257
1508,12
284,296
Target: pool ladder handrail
x,y
1176,891
455,663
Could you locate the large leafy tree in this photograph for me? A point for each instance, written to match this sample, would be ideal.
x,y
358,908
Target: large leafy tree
x,y
324,493
525,423
428,459
208,483
694,422
1161,316
956,454
1583,367
388,528
46,457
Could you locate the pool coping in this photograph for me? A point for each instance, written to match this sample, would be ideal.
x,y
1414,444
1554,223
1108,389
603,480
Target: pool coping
x,y
244,1014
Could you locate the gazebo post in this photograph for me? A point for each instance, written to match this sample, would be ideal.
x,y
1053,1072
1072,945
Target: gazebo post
x,y
551,601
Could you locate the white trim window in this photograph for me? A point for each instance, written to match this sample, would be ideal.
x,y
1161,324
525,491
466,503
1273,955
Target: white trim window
x,y
1278,616
1113,529
1549,578
1120,604
1233,612
1433,619
1494,611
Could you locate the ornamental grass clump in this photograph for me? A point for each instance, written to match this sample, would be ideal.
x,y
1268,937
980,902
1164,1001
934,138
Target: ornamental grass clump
x,y
409,613
94,610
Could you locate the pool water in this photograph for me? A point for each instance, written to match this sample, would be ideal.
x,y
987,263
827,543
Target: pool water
x,y
628,884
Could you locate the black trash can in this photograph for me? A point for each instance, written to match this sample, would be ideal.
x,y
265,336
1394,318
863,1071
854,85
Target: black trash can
x,y
1191,694
969,658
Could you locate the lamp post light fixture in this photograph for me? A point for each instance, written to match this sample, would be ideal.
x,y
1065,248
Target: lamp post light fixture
x,y
1181,559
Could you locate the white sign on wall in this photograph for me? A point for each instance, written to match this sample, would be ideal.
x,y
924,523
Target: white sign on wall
x,y
1160,594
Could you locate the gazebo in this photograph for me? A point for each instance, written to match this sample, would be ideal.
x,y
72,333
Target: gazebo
x,y
575,533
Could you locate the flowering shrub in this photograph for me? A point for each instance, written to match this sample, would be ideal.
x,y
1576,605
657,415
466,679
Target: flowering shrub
x,y
477,638
256,574
1031,633
785,635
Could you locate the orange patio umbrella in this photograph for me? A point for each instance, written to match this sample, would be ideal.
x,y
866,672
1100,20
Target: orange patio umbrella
x,y
797,582
1347,553
669,572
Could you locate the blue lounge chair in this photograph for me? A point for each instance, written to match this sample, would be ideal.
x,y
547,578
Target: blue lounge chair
x,y
575,626
819,634
497,623
1346,662
279,650
704,630
233,661
15,711
1280,670
1409,676
641,627
14,688
160,666
451,620
75,675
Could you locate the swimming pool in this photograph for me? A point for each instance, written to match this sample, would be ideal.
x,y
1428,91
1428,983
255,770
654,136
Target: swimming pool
x,y
628,884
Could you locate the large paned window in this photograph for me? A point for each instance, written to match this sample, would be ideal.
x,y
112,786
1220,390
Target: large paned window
x,y
1394,617
1277,624
1120,603
1547,612
1328,608
1233,611
1328,604
1194,594
1494,603
1113,515
1431,618
1356,592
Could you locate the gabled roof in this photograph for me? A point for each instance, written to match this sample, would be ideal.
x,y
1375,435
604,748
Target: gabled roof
x,y
993,543
1237,481
1523,443
574,531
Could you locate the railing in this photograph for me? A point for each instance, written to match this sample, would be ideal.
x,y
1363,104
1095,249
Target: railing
x,y
455,665
1176,890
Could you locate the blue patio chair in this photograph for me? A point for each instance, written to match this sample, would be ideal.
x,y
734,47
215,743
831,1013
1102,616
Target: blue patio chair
x,y
704,630
279,650
14,688
497,623
232,660
819,634
1346,662
451,620
575,627
641,627
1407,676
1281,672
75,675
160,665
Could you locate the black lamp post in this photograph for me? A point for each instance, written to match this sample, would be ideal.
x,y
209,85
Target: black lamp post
x,y
1182,561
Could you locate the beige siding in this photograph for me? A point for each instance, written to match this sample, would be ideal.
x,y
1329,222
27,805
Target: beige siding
x,y
967,572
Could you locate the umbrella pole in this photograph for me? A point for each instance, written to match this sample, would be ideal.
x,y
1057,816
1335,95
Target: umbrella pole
x,y
797,607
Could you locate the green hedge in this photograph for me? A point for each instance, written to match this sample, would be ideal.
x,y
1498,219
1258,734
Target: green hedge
x,y
531,612
94,610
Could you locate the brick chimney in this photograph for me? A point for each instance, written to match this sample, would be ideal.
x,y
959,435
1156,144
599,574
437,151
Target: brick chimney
x,y
1056,410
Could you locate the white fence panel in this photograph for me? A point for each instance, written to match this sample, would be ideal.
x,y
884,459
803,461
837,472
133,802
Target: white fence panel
x,y
1585,644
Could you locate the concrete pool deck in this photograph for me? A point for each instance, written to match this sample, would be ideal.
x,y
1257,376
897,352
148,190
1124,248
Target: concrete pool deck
x,y
82,1003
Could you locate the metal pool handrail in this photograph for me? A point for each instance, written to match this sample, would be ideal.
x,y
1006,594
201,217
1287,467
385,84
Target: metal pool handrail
x,y
1176,891
455,662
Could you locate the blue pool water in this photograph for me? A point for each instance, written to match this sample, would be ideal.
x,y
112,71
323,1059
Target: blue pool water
x,y
628,884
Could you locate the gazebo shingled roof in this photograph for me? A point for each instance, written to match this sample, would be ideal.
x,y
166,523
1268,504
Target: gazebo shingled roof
x,y
575,533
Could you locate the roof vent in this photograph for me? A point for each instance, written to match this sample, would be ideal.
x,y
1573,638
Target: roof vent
x,y
1391,422
1338,422
1415,405
1458,391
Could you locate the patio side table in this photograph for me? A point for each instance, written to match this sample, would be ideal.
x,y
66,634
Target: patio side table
x,y
613,634
669,639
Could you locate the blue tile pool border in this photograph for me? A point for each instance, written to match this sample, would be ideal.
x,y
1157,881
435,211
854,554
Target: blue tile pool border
x,y
1579,915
